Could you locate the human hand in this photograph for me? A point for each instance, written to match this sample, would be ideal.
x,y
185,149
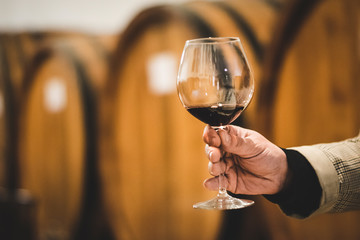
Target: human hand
x,y
252,164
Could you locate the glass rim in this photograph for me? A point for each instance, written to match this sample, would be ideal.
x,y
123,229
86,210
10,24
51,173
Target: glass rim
x,y
213,40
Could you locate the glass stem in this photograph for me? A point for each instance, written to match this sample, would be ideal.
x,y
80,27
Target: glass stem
x,y
221,179
222,185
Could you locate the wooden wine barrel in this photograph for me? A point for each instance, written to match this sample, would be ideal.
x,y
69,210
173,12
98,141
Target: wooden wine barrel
x,y
17,51
58,139
152,155
16,205
52,144
323,92
314,99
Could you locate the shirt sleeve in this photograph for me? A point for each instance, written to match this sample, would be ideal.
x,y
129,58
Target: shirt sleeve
x,y
323,178
337,166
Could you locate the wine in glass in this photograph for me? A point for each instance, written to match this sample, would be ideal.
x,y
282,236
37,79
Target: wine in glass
x,y
215,84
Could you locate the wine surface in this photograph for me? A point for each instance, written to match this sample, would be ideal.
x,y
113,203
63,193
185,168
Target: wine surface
x,y
216,115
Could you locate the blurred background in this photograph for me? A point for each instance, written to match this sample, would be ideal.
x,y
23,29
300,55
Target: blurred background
x,y
94,143
100,17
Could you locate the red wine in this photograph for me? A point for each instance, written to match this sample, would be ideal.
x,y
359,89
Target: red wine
x,y
216,115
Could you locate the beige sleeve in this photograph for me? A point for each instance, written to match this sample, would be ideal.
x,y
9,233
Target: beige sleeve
x,y
337,166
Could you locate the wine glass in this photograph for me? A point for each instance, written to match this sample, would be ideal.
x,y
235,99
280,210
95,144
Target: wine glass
x,y
215,84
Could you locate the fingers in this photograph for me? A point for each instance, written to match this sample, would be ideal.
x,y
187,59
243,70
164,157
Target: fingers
x,y
211,137
230,141
212,183
220,167
213,154
238,141
232,182
230,138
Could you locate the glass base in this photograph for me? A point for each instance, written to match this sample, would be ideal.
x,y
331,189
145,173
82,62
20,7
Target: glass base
x,y
224,202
